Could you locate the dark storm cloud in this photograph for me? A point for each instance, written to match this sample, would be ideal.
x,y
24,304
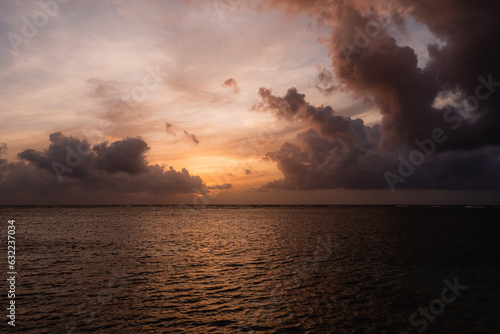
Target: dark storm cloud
x,y
405,93
294,107
468,63
231,83
122,156
67,150
369,64
330,151
377,67
338,152
120,166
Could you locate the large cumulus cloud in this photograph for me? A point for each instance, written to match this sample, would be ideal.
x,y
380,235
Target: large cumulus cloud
x,y
339,152
70,165
369,64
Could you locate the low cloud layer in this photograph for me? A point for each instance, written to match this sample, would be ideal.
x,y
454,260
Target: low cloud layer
x,y
70,164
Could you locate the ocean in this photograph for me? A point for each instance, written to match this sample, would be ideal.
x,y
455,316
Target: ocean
x,y
254,269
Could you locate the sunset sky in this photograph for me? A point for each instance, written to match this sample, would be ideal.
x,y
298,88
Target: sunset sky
x,y
261,102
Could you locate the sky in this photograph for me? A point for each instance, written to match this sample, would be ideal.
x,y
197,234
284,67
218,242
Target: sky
x,y
249,102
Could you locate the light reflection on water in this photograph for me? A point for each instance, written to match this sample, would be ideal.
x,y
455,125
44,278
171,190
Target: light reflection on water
x,y
253,269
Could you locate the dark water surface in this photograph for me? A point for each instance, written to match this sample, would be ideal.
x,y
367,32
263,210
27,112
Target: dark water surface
x,y
230,269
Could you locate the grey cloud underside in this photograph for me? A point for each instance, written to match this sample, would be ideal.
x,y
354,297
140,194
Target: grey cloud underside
x,y
338,152
120,166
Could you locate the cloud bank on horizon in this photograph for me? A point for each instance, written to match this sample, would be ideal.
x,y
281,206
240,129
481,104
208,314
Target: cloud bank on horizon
x,y
117,167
